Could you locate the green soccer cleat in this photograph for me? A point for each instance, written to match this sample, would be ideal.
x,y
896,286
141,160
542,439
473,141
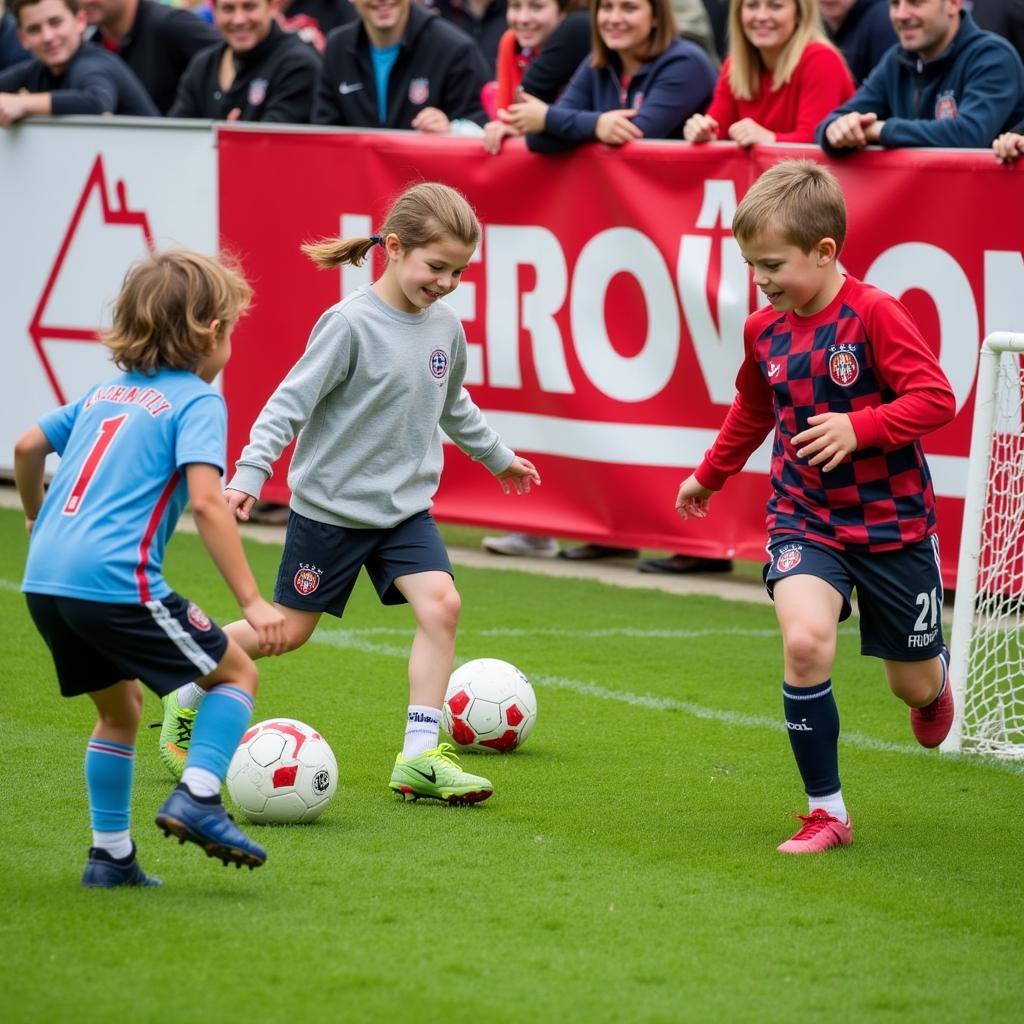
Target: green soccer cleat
x,y
175,734
436,774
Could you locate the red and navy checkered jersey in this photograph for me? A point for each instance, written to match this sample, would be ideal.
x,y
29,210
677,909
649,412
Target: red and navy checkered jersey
x,y
862,355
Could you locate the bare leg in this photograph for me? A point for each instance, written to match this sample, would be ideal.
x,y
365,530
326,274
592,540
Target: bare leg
x,y
299,626
436,605
916,683
119,709
808,611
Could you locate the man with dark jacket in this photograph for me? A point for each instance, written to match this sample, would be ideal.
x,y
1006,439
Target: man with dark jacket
x,y
483,21
400,66
947,84
63,76
259,72
861,29
155,41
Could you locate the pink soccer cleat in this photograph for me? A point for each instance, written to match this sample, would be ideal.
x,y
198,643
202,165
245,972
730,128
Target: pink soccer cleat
x,y
820,831
931,724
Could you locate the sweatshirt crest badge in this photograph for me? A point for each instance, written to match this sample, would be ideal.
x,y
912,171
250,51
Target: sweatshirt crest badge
x,y
257,91
438,364
419,90
843,367
945,106
307,579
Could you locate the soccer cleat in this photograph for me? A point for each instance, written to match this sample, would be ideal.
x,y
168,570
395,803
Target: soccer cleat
x,y
207,824
103,872
175,734
931,724
436,774
820,831
521,544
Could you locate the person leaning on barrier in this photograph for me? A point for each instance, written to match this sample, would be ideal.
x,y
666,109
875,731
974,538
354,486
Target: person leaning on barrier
x,y
861,29
947,83
155,41
63,76
259,72
11,51
399,66
1010,145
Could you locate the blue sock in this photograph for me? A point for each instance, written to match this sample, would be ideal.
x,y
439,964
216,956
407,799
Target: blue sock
x,y
109,768
220,722
812,721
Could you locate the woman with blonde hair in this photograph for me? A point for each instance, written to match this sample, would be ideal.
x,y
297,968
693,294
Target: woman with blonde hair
x,y
782,76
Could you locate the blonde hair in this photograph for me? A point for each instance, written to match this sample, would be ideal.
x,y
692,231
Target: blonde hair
x,y
164,313
746,65
662,34
424,213
798,198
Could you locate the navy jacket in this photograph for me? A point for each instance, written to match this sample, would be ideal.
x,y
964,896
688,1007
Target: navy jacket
x,y
11,51
864,36
95,82
549,72
676,84
274,82
960,100
438,65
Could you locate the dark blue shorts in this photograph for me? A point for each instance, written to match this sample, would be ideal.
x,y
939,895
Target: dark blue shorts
x,y
320,561
165,643
899,593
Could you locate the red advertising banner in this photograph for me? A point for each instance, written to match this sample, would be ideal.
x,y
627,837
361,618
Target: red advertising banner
x,y
605,309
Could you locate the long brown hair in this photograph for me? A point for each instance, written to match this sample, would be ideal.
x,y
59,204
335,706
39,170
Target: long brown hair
x,y
662,34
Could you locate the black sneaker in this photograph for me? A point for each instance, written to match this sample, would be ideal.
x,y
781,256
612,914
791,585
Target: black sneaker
x,y
103,872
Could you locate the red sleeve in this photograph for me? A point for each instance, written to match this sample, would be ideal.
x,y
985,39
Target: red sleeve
x,y
723,104
509,75
903,360
748,421
821,82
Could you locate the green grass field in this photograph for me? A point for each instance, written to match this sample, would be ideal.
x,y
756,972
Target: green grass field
x,y
625,869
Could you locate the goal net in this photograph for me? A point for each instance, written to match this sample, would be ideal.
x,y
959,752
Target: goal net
x,y
987,645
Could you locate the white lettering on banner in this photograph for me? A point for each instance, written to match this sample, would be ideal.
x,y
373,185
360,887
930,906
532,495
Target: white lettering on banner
x,y
463,301
719,204
510,248
624,378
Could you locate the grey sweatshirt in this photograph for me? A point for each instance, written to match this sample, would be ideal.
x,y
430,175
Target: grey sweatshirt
x,y
368,400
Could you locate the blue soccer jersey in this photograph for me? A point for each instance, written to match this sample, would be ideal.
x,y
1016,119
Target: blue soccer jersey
x,y
120,487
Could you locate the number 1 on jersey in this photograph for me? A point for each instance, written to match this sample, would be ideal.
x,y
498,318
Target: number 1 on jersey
x,y
108,428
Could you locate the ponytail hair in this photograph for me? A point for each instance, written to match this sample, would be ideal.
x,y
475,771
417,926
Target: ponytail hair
x,y
422,214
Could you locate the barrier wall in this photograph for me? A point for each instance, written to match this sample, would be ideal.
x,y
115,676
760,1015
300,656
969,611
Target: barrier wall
x,y
604,309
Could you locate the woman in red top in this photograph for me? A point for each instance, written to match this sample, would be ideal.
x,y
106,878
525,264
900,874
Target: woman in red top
x,y
781,78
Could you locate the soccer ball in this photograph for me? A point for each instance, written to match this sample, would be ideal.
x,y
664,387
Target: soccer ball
x,y
490,706
283,772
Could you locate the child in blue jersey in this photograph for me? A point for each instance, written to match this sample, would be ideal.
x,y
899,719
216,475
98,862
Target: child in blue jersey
x,y
133,451
380,379
841,374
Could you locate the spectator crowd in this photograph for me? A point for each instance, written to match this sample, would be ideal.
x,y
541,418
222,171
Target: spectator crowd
x,y
844,74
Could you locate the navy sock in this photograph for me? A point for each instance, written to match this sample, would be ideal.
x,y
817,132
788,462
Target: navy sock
x,y
812,721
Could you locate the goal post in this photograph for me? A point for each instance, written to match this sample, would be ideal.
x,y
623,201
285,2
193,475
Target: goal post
x,y
987,643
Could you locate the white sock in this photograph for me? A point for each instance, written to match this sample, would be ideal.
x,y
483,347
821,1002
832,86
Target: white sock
x,y
117,844
190,696
832,803
421,730
201,782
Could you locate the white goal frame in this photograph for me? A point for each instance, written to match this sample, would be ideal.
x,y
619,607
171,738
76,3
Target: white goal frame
x,y
969,737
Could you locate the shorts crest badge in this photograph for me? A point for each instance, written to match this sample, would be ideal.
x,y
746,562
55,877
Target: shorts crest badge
x,y
788,558
843,367
419,91
199,619
307,579
257,91
438,363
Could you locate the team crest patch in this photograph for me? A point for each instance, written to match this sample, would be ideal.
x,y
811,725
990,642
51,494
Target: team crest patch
x,y
438,363
945,106
419,90
843,367
788,558
307,579
199,618
257,91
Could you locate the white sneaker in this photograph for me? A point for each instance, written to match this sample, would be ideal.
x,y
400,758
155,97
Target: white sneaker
x,y
522,544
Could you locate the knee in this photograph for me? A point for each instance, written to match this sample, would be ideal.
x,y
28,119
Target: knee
x,y
295,635
806,651
444,610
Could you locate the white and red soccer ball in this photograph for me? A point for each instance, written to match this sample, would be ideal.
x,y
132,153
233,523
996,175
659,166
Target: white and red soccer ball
x,y
490,706
283,772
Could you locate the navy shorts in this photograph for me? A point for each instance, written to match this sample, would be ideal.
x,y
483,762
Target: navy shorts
x,y
899,593
165,643
320,561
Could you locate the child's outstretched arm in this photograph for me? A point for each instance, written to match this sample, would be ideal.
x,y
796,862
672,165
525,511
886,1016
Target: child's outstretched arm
x,y
518,475
693,498
217,529
30,453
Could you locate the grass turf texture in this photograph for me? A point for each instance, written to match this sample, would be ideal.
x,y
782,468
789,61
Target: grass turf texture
x,y
625,869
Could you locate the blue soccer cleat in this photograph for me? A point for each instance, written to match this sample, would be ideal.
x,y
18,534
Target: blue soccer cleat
x,y
206,823
103,872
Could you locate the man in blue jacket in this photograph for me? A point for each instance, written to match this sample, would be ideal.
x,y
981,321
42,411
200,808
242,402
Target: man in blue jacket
x,y
947,84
